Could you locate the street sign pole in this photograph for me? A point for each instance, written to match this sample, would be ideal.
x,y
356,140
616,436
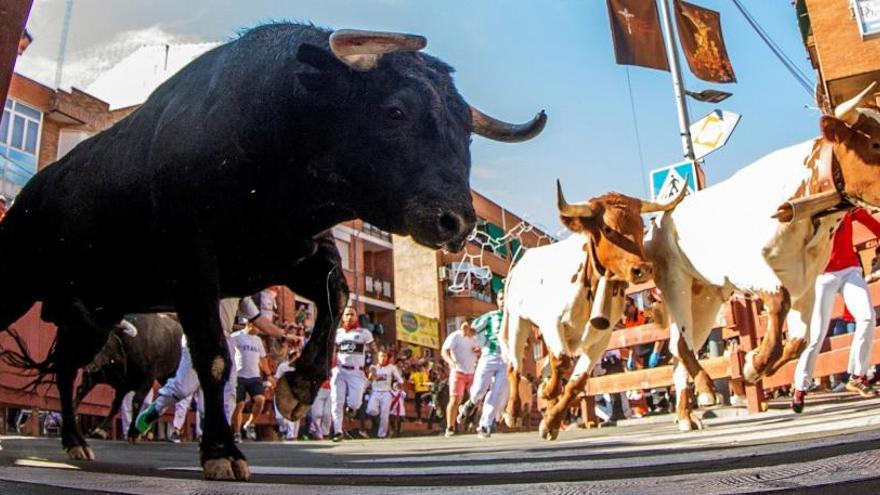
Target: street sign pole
x,y
678,88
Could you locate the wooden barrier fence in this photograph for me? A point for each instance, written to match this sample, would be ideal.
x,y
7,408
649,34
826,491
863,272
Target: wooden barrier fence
x,y
741,320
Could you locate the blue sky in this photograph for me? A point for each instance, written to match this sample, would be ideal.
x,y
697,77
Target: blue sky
x,y
513,57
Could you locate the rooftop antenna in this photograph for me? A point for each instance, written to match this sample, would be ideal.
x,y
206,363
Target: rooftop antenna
x,y
62,46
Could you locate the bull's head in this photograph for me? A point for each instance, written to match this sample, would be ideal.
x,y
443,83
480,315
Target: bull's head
x,y
854,132
615,224
407,133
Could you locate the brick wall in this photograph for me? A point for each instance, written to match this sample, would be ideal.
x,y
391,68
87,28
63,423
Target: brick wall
x,y
841,50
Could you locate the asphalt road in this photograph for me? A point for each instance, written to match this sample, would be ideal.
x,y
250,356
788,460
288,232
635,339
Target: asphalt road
x,y
833,447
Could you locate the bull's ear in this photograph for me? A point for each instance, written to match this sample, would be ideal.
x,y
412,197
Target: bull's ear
x,y
328,80
317,57
575,224
834,129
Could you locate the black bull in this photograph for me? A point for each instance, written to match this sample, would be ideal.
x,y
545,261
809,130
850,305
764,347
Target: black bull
x,y
225,181
132,364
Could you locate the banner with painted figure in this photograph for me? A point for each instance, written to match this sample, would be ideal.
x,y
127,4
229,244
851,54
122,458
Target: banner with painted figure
x,y
417,329
699,30
636,33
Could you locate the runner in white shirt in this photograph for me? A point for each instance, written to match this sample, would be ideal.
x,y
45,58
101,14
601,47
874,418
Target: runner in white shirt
x,y
347,380
383,376
461,350
186,381
250,366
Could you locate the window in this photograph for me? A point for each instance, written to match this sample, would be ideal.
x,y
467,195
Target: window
x,y
19,141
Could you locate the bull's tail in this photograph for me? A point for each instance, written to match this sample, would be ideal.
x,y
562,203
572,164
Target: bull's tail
x,y
41,372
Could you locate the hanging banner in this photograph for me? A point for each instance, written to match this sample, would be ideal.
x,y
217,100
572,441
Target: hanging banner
x,y
417,329
700,32
636,33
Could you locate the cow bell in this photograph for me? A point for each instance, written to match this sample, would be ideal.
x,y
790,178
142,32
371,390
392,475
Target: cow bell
x,y
608,303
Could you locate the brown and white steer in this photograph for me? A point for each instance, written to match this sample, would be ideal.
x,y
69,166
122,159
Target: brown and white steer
x,y
560,286
767,231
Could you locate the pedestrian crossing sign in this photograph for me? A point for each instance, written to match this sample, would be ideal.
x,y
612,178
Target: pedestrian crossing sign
x,y
666,182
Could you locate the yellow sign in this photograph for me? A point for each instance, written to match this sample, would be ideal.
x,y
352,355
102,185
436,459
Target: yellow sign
x,y
417,329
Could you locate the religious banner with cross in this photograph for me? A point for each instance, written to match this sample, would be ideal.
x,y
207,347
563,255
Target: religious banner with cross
x,y
636,33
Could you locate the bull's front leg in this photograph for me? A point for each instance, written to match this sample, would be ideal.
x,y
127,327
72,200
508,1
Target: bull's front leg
x,y
102,431
771,355
703,384
320,279
513,412
220,458
72,439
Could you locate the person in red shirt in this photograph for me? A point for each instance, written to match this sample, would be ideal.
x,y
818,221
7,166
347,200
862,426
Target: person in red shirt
x,y
843,274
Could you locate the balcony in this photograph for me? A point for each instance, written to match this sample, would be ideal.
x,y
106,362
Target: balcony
x,y
370,285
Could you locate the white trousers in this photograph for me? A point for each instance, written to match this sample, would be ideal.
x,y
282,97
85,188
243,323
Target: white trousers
x,y
346,388
125,411
182,408
185,383
380,405
320,412
491,372
290,428
851,284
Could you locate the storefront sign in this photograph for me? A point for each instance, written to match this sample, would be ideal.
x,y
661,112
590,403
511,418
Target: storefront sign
x,y
417,329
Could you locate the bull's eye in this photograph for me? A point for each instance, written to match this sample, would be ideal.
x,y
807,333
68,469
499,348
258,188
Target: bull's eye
x,y
395,113
607,230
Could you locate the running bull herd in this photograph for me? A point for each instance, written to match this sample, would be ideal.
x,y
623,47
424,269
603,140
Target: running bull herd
x,y
227,179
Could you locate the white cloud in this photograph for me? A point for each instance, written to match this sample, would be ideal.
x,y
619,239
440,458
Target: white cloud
x,y
82,68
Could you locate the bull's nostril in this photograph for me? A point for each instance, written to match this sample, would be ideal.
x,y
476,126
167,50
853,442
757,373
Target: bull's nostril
x,y
449,223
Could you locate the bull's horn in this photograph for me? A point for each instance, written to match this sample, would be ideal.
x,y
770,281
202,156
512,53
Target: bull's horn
x,y
652,207
361,50
585,209
846,110
492,128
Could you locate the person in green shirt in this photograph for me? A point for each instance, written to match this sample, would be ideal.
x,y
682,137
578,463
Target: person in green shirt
x,y
491,372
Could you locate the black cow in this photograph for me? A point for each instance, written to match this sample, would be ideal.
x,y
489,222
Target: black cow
x,y
225,181
132,363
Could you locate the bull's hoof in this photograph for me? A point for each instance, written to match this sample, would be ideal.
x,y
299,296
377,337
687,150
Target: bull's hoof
x,y
750,374
219,469
240,470
99,433
512,421
547,432
80,453
690,423
706,399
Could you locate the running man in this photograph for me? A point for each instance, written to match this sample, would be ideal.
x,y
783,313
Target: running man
x,y
384,376
491,372
347,380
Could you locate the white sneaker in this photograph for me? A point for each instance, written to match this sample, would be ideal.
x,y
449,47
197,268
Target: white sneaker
x,y
483,433
449,433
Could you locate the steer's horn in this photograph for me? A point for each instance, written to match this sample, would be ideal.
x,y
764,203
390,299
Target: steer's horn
x,y
585,209
846,110
361,50
652,207
492,128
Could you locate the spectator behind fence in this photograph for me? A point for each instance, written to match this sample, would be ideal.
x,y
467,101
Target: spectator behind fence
x,y
421,386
